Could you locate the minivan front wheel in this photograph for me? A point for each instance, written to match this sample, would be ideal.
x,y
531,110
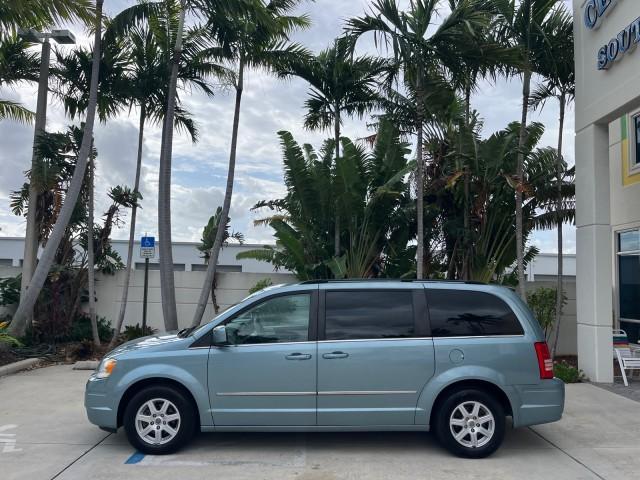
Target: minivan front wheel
x,y
159,420
470,423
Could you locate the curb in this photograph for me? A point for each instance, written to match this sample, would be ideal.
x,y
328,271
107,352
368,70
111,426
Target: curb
x,y
18,366
86,365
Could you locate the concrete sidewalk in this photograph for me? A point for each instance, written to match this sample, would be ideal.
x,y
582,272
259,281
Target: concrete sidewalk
x,y
44,435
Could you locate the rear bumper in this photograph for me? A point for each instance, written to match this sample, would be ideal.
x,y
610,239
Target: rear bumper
x,y
99,405
536,404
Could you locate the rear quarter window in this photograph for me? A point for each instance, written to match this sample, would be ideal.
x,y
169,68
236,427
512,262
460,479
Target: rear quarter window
x,y
465,313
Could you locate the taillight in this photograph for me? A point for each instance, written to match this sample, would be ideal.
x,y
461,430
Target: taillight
x,y
545,364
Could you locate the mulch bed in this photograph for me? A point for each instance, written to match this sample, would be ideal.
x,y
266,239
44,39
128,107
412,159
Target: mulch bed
x,y
63,353
7,357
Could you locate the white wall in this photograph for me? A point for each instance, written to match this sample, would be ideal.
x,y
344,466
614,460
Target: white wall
x,y
184,253
232,287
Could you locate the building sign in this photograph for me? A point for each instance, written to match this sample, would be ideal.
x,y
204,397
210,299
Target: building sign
x,y
626,41
595,11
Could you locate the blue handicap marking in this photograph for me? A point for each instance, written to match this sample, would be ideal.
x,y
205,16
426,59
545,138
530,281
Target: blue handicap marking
x,y
148,242
135,458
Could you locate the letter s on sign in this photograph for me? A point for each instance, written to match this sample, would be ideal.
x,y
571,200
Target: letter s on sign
x,y
603,59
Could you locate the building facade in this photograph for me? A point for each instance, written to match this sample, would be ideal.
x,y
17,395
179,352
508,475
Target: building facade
x,y
607,33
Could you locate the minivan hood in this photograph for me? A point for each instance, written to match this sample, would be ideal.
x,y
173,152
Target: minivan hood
x,y
147,342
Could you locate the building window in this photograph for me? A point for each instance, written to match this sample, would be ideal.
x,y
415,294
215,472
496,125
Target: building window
x,y
635,141
629,282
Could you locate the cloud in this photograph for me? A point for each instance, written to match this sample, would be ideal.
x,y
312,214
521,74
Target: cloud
x,y
200,170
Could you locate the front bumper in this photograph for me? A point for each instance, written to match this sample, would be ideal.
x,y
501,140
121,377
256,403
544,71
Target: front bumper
x,y
542,403
99,404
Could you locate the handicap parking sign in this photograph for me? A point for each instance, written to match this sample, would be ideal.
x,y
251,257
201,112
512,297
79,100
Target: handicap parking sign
x,y
148,247
148,242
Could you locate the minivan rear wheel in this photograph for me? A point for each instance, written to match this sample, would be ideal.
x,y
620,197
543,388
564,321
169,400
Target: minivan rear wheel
x,y
159,420
470,423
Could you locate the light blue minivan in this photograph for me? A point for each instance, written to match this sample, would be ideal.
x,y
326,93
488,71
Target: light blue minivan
x,y
452,357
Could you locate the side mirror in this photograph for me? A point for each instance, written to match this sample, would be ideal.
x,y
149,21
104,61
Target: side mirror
x,y
220,335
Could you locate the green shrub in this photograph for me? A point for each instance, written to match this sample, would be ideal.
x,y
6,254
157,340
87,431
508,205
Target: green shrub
x,y
260,284
81,329
10,290
568,373
542,302
131,332
6,338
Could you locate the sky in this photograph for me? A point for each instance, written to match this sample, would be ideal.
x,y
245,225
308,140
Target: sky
x,y
200,170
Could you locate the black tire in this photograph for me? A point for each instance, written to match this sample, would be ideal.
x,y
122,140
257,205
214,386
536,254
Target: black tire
x,y
487,444
179,403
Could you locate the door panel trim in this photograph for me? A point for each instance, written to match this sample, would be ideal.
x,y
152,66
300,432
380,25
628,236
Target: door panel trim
x,y
368,392
264,394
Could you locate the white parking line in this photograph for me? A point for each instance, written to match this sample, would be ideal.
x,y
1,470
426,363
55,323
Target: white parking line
x,y
8,439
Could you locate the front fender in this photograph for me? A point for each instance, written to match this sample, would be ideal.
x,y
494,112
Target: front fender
x,y
442,380
195,384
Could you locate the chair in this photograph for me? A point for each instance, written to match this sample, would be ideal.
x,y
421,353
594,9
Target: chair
x,y
625,353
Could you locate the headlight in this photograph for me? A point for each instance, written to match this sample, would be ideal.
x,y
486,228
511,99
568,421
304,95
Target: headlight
x,y
106,367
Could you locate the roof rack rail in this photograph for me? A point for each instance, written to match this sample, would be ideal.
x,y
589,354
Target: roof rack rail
x,y
406,280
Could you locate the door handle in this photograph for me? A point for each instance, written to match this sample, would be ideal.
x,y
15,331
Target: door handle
x,y
298,356
335,355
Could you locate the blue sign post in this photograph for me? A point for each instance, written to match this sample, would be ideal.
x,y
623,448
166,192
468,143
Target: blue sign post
x,y
147,251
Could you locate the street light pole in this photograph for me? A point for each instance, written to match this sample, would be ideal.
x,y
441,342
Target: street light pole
x,y
30,256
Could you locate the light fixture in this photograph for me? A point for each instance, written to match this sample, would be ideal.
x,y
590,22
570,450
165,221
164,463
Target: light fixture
x,y
63,36
30,35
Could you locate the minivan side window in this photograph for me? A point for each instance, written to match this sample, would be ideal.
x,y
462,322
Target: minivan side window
x,y
371,314
279,319
465,313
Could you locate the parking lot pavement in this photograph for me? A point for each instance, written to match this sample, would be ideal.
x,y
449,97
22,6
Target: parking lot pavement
x,y
44,434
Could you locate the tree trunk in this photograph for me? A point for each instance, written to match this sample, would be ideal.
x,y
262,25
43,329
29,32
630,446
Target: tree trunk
x,y
336,234
214,300
466,259
32,233
224,215
18,324
559,171
420,204
132,232
526,90
167,287
420,183
91,260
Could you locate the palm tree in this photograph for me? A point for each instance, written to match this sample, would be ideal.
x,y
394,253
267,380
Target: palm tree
x,y
340,84
256,38
527,25
207,241
18,324
71,77
17,65
39,14
558,70
146,87
419,49
486,59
